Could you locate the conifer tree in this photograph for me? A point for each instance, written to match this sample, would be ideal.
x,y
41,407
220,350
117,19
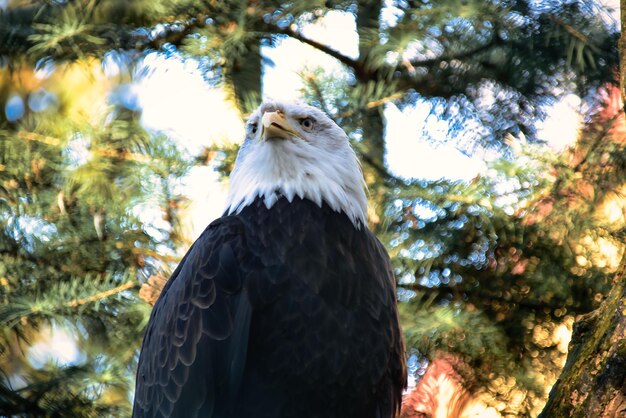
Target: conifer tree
x,y
82,191
485,272
593,379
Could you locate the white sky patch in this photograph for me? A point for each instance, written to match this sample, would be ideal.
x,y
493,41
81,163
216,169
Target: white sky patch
x,y
614,9
208,198
56,345
336,29
176,99
562,126
292,57
282,80
410,156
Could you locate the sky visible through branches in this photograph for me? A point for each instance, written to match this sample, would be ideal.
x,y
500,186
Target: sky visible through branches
x,y
175,97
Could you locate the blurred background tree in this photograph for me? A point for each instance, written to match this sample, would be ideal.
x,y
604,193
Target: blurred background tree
x,y
491,272
87,213
593,380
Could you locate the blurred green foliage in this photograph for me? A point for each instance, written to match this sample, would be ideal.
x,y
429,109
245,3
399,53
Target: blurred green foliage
x,y
75,243
487,269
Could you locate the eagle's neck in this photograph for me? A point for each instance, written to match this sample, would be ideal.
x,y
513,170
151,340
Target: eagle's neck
x,y
285,168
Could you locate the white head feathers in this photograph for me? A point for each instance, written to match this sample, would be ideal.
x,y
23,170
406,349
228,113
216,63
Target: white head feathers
x,y
292,149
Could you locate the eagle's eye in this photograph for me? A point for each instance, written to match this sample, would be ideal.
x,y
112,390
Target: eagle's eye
x,y
253,128
307,124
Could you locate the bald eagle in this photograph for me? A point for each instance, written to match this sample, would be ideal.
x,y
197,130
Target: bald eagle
x,y
286,305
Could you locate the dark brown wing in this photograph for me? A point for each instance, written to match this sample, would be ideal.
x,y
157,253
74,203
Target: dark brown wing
x,y
281,312
325,337
395,380
195,343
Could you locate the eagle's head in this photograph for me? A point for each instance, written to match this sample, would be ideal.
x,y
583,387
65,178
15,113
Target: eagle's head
x,y
292,149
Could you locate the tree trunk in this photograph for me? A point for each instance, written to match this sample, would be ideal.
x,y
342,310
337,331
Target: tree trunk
x,y
373,128
245,76
593,381
622,51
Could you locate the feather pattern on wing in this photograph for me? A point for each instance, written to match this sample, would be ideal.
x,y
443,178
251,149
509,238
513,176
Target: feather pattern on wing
x,y
276,312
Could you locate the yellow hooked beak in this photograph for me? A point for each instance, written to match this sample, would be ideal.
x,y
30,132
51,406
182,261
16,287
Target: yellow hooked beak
x,y
275,125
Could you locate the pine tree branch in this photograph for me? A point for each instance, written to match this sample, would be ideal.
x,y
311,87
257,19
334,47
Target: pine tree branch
x,y
19,23
102,295
372,104
17,310
495,40
352,63
173,35
101,152
12,404
35,137
375,103
364,74
569,29
125,155
381,74
449,289
155,254
47,310
310,79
